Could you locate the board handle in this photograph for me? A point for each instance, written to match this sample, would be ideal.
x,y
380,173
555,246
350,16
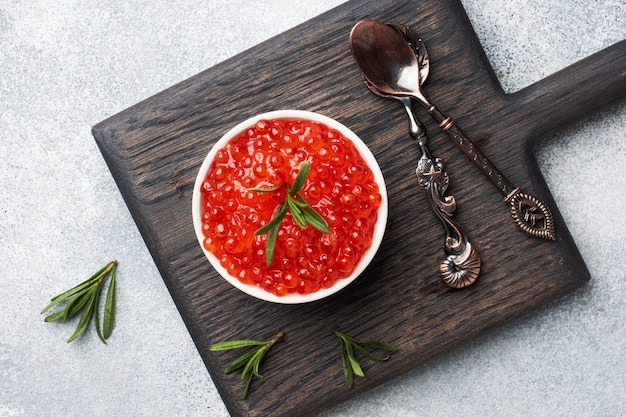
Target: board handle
x,y
573,93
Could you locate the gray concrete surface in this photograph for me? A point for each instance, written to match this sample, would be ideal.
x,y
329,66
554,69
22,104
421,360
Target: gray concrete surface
x,y
66,65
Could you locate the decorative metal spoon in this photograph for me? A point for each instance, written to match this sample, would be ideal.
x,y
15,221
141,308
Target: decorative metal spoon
x,y
387,60
462,264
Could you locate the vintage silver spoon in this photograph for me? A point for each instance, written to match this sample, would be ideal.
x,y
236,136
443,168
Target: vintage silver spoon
x,y
462,264
387,61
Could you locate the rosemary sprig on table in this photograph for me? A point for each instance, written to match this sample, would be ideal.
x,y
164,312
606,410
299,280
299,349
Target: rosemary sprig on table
x,y
301,211
249,361
351,366
85,297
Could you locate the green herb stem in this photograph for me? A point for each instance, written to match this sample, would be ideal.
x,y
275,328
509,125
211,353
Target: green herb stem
x,y
301,211
249,361
85,298
351,365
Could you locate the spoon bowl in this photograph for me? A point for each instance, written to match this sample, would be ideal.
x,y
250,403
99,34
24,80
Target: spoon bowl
x,y
386,60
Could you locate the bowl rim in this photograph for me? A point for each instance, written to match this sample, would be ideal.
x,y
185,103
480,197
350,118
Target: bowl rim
x,y
379,228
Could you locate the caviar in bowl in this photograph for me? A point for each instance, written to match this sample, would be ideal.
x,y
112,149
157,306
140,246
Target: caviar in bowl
x,y
344,185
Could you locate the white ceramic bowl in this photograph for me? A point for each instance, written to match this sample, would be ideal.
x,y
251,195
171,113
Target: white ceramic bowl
x,y
379,228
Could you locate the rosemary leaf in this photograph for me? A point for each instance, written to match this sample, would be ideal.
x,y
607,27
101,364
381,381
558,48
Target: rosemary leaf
x,y
261,355
76,304
347,371
96,307
315,220
300,178
85,318
240,362
109,306
247,387
235,344
354,364
55,316
266,190
270,244
296,212
275,222
252,367
313,217
299,201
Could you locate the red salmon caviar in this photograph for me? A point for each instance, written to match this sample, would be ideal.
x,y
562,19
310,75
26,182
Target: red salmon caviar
x,y
340,186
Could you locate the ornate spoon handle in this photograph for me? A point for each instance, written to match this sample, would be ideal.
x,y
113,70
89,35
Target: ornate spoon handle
x,y
462,265
529,213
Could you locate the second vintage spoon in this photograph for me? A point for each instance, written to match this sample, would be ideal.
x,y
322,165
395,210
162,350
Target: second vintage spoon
x,y
462,265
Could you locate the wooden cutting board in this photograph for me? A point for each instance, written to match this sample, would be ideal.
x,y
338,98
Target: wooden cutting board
x,y
155,148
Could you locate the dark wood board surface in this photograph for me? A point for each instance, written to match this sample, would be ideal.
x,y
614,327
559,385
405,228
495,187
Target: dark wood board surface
x,y
155,148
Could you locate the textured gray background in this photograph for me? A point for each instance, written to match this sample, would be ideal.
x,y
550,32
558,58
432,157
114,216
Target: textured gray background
x,y
67,64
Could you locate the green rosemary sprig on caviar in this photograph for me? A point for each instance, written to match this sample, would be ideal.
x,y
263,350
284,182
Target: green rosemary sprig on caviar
x,y
301,211
85,297
349,345
249,361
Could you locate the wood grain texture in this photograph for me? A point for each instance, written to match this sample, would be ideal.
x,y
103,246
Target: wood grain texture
x,y
155,148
